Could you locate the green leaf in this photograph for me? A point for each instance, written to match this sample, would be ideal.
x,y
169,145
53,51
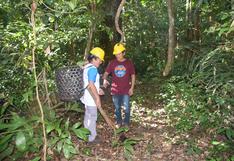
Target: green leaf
x,y
76,107
72,5
130,141
232,158
16,122
229,133
76,125
4,107
28,95
49,127
4,126
3,147
36,159
5,140
129,148
6,152
67,124
59,146
53,141
82,133
68,141
20,141
122,129
215,143
68,151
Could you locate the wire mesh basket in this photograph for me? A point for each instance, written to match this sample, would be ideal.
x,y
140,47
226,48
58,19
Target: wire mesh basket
x,y
69,81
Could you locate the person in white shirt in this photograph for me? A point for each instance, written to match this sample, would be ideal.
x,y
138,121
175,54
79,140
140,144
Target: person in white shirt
x,y
91,98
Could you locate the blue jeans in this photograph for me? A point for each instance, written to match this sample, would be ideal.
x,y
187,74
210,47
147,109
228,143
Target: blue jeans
x,y
121,100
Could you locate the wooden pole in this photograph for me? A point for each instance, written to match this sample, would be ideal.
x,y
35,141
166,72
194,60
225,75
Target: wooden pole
x,y
103,113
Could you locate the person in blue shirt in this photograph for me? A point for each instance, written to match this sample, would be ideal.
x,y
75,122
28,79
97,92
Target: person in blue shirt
x,y
91,98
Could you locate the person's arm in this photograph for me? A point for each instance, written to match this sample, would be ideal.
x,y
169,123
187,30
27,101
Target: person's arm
x,y
92,74
94,93
133,79
105,82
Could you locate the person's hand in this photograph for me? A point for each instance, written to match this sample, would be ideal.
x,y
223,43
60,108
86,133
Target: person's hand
x,y
105,83
101,92
130,92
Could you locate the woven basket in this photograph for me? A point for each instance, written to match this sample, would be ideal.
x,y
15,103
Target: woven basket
x,y
69,81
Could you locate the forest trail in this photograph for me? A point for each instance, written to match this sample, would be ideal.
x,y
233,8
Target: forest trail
x,y
157,141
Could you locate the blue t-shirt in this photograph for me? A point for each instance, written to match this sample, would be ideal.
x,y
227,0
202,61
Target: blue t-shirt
x,y
92,74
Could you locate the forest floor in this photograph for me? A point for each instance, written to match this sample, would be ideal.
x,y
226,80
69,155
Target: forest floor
x,y
156,139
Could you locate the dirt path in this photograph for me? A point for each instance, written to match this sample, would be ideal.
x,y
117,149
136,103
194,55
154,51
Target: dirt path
x,y
157,140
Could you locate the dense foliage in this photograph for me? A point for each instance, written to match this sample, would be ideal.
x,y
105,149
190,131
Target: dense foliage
x,y
199,94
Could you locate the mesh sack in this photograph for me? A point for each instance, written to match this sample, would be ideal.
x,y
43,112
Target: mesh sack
x,y
69,81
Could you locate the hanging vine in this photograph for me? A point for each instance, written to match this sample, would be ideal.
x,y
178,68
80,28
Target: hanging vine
x,y
120,8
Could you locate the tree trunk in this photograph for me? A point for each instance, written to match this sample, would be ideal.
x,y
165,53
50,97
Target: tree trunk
x,y
92,29
189,20
171,36
196,17
107,42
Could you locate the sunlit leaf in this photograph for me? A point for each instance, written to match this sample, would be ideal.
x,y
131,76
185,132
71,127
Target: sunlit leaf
x,y
68,150
215,143
20,141
76,125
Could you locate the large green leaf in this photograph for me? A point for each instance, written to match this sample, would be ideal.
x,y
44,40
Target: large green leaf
x,y
82,133
20,141
68,150
49,127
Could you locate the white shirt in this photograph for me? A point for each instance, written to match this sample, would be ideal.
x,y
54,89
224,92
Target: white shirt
x,y
87,98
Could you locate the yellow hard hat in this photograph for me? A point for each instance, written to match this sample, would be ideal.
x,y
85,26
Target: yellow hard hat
x,y
118,48
98,52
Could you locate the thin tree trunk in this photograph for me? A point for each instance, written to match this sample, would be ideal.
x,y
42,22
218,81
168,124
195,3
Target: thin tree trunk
x,y
91,31
196,17
189,20
232,3
171,35
33,8
90,39
107,42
